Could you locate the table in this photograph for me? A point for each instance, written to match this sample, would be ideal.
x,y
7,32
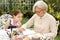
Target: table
x,y
29,33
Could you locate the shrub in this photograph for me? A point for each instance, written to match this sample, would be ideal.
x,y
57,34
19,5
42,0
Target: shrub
x,y
28,14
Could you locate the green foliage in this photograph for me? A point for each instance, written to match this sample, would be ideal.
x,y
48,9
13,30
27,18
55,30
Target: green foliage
x,y
57,37
57,16
24,20
54,8
28,14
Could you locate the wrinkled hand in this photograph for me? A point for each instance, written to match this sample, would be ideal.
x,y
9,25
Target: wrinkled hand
x,y
37,31
21,30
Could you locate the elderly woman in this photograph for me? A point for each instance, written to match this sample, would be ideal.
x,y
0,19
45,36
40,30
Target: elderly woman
x,y
43,22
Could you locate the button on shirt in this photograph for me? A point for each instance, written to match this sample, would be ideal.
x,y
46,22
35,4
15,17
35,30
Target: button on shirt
x,y
45,25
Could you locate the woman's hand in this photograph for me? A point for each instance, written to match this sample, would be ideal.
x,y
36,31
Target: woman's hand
x,y
21,30
37,31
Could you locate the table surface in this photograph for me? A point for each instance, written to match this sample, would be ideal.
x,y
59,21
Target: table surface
x,y
28,32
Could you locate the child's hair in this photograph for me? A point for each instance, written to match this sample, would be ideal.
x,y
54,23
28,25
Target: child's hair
x,y
16,12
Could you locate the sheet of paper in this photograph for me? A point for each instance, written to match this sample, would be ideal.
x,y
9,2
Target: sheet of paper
x,y
28,32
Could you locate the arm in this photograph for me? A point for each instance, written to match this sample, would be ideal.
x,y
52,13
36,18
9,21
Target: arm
x,y
19,24
53,28
7,25
29,23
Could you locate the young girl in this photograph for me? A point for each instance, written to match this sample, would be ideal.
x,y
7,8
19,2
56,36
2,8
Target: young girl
x,y
15,22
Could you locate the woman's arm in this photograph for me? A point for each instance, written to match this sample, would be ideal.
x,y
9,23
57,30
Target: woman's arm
x,y
53,28
29,23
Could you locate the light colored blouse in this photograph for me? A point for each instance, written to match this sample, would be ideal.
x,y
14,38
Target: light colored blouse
x,y
45,25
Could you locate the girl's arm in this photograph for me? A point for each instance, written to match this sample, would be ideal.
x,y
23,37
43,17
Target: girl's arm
x,y
7,25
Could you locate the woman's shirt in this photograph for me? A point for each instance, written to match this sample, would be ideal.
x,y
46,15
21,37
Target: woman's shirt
x,y
45,25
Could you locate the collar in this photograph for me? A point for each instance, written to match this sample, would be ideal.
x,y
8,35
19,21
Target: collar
x,y
42,16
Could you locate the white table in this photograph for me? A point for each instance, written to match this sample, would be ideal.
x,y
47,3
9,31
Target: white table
x,y
29,33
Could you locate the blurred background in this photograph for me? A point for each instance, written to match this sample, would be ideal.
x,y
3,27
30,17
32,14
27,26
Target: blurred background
x,y
8,6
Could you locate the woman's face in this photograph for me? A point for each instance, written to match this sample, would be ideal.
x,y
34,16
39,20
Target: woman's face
x,y
18,17
39,12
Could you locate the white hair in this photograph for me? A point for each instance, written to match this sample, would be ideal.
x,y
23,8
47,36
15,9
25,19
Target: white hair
x,y
40,4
